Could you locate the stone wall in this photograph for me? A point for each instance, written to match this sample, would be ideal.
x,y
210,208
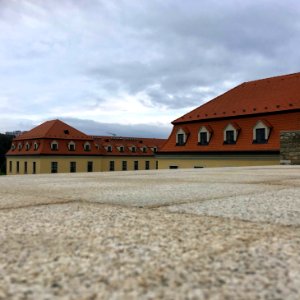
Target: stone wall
x,y
290,147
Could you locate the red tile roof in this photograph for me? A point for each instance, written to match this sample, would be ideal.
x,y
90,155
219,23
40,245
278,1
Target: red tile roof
x,y
254,97
54,129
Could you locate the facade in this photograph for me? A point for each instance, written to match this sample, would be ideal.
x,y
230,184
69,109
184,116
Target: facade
x,y
239,127
56,147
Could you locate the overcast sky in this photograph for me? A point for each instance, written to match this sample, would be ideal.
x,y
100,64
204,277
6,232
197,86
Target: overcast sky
x,y
130,67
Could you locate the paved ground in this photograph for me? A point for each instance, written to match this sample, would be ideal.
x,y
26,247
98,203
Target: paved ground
x,y
231,233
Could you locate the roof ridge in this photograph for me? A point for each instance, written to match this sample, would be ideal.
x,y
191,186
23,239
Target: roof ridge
x,y
273,77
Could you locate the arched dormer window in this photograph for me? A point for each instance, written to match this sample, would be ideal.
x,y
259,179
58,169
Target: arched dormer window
x,y
204,135
87,146
144,149
13,146
54,145
71,146
35,146
261,132
108,148
133,148
181,137
154,149
121,148
27,146
231,132
20,146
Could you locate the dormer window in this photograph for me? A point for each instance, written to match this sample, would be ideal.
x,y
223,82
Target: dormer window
x,y
133,149
71,146
231,133
27,146
20,146
204,135
35,146
121,148
181,137
13,146
109,148
87,146
261,132
154,149
144,149
54,146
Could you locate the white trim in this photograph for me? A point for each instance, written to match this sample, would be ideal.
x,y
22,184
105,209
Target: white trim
x,y
54,143
261,125
181,131
70,144
230,127
204,129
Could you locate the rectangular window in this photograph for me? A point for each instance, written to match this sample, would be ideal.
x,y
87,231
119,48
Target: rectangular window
x,y
54,167
71,147
54,146
73,166
90,166
25,167
10,166
229,137
34,167
147,165
18,167
203,138
260,135
180,139
124,165
112,165
173,167
109,149
156,165
136,165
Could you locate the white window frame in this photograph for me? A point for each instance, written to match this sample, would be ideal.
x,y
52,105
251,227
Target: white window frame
x,y
204,129
20,146
181,131
27,146
35,146
72,143
54,143
230,127
87,146
261,125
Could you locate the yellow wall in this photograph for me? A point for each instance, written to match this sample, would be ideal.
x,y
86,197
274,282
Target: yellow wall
x,y
217,161
100,163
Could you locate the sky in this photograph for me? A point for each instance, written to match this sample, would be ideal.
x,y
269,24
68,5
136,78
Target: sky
x,y
130,67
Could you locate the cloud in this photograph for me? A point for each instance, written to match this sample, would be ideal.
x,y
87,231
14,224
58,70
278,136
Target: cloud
x,y
135,62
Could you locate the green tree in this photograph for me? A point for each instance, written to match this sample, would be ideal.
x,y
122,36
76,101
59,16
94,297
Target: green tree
x,y
5,144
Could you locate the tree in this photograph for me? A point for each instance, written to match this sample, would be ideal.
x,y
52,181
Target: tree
x,y
5,144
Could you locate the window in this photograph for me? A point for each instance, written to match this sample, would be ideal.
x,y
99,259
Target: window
x,y
10,166
73,166
90,166
261,132
18,167
87,147
156,165
112,165
121,148
13,146
261,135
181,137
133,149
173,167
34,167
25,167
154,149
204,135
35,146
54,167
147,165
27,146
124,165
54,146
109,148
144,149
231,132
71,146
20,146
203,138
136,165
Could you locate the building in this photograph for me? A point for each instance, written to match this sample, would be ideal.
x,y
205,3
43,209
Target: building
x,y
56,147
239,127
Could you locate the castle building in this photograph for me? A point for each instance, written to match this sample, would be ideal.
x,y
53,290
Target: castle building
x,y
56,147
238,128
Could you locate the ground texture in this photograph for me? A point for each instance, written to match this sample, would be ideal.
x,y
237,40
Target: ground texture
x,y
231,233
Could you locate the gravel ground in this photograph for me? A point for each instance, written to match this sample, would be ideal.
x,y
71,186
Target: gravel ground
x,y
230,233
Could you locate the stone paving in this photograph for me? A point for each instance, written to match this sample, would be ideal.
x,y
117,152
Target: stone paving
x,y
230,233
